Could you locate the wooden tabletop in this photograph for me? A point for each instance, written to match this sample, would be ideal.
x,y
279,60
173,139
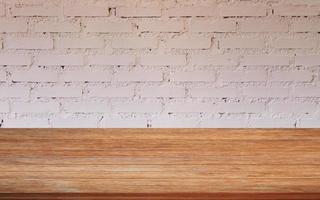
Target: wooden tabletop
x,y
160,161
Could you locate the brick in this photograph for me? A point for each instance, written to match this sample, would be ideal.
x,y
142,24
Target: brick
x,y
263,26
296,10
125,123
309,123
302,2
189,107
112,60
80,43
3,76
74,122
169,122
265,60
139,76
163,60
127,91
103,26
14,59
57,27
161,26
193,76
26,122
241,43
292,108
14,92
214,26
308,60
266,92
135,43
2,10
297,76
305,26
243,76
162,91
191,11
36,75
195,42
214,92
86,75
243,10
13,25
86,107
223,123
4,107
36,107
28,43
214,60
35,10
134,107
138,12
287,43
57,91
240,108
56,60
86,10
271,123
306,92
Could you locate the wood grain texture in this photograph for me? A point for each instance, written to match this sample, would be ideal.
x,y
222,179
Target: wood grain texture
x,y
160,161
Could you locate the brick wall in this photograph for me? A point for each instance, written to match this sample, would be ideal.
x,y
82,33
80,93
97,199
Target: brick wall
x,y
159,63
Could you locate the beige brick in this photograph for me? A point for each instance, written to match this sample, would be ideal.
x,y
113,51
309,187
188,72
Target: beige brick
x,y
15,59
102,26
135,43
192,11
2,10
52,60
241,43
13,25
112,60
133,107
260,26
195,42
86,10
28,43
243,10
139,76
138,12
215,60
243,76
35,10
35,75
163,60
214,92
296,10
305,25
297,76
265,60
217,26
162,91
193,76
57,91
307,60
35,107
86,75
161,26
80,43
127,91
288,43
57,27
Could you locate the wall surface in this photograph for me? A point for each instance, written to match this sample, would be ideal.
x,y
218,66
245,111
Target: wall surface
x,y
159,63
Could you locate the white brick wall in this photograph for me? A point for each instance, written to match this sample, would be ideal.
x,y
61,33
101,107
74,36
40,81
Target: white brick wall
x,y
160,63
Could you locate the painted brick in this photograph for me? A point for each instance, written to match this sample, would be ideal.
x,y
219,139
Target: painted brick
x,y
86,10
292,108
139,76
189,108
52,60
35,107
2,10
192,11
127,91
133,107
215,60
242,76
57,91
135,43
112,60
265,60
29,122
35,10
102,26
309,123
4,107
217,26
287,43
222,123
189,43
271,122
28,43
79,43
266,92
307,60
170,122
194,76
261,26
243,10
306,92
240,108
86,107
86,75
296,10
161,26
125,123
138,12
57,27
162,91
214,92
14,59
298,76
241,43
3,76
74,122
305,25
35,76
162,60
14,92
13,25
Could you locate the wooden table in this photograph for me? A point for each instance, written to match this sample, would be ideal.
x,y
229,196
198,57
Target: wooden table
x,y
160,163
